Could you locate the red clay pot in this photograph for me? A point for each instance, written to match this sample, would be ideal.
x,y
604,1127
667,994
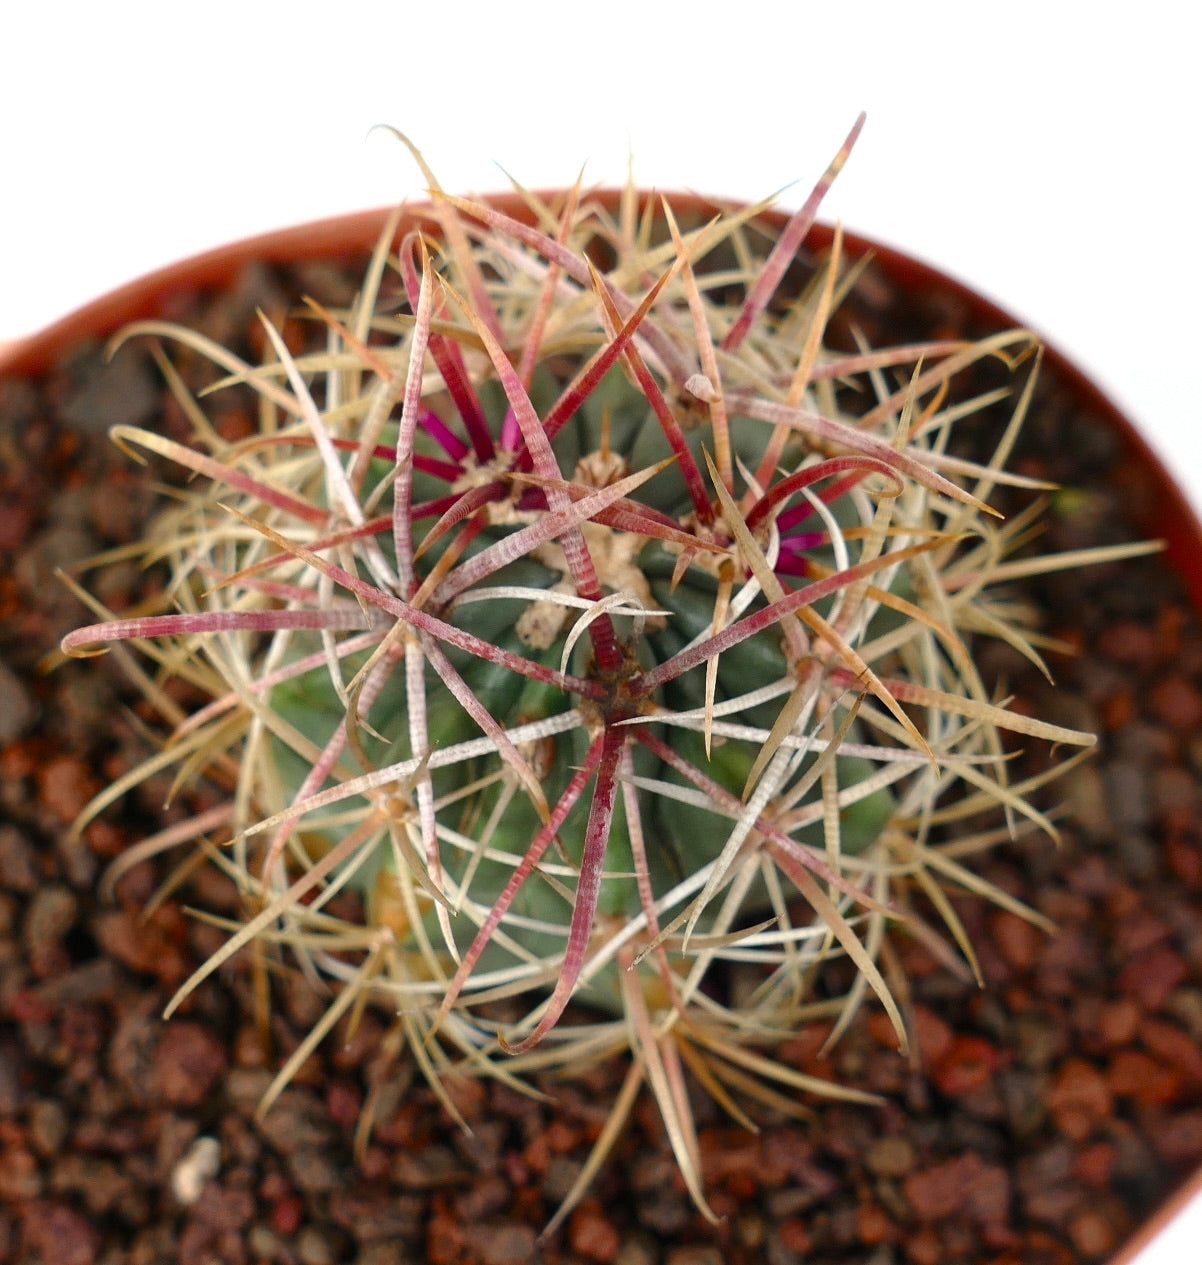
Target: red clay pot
x,y
1161,509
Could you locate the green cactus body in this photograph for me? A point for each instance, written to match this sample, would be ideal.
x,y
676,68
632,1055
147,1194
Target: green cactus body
x,y
682,835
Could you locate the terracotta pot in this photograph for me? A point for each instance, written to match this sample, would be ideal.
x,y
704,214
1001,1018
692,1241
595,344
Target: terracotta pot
x,y
1158,507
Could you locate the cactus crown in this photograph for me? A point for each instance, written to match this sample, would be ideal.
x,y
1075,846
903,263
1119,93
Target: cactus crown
x,y
602,628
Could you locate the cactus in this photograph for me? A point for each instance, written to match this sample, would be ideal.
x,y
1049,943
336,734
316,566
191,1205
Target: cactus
x,y
606,632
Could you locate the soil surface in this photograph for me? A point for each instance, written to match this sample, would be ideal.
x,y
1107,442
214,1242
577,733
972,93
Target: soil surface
x,y
1038,1121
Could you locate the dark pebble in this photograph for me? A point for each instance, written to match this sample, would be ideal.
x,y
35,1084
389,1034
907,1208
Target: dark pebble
x,y
18,861
16,703
57,1234
501,1243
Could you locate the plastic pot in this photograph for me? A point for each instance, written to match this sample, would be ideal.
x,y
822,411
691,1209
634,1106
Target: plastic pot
x,y
1157,506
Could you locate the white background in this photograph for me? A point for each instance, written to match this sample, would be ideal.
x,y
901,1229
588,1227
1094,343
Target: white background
x,y
1047,153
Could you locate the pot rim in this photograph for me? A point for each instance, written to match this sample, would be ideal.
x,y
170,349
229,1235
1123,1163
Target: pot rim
x,y
357,233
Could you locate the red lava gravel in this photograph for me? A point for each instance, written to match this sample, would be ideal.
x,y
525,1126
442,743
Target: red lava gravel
x,y
1039,1121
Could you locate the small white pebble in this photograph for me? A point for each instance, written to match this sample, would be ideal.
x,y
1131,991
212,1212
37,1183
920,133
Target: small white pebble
x,y
190,1176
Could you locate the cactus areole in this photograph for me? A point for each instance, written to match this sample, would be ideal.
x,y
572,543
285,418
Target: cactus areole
x,y
606,630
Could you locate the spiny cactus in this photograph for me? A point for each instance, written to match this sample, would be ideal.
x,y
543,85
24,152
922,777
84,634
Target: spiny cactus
x,y
604,629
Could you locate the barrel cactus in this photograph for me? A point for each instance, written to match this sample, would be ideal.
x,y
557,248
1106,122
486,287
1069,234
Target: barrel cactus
x,y
605,631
